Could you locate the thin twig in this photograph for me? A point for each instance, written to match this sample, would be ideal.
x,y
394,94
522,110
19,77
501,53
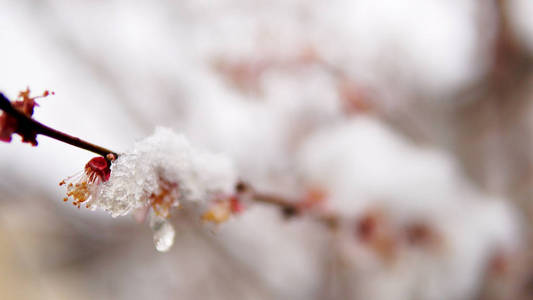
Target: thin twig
x,y
289,208
39,128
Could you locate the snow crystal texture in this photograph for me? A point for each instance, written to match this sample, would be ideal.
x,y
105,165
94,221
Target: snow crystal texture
x,y
168,156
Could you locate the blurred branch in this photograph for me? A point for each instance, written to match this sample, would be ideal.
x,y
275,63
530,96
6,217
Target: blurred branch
x,y
511,61
289,208
492,113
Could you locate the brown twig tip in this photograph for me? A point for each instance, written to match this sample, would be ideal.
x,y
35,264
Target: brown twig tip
x,y
111,157
17,118
241,187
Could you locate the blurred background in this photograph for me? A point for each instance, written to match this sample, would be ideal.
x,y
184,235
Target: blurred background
x,y
414,118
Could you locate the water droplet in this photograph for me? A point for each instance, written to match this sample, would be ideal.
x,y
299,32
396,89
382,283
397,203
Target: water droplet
x,y
163,233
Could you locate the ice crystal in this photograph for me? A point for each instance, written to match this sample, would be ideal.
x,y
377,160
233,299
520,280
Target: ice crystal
x,y
164,170
163,232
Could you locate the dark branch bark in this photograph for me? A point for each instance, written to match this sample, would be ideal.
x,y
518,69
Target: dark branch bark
x,y
39,128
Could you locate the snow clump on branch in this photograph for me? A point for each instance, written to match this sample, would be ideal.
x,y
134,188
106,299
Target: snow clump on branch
x,y
160,172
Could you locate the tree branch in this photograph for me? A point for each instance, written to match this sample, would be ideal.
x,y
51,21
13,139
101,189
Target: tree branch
x,y
39,128
288,207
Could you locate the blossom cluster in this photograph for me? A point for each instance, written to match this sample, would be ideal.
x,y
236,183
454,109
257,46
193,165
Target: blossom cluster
x,y
158,174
